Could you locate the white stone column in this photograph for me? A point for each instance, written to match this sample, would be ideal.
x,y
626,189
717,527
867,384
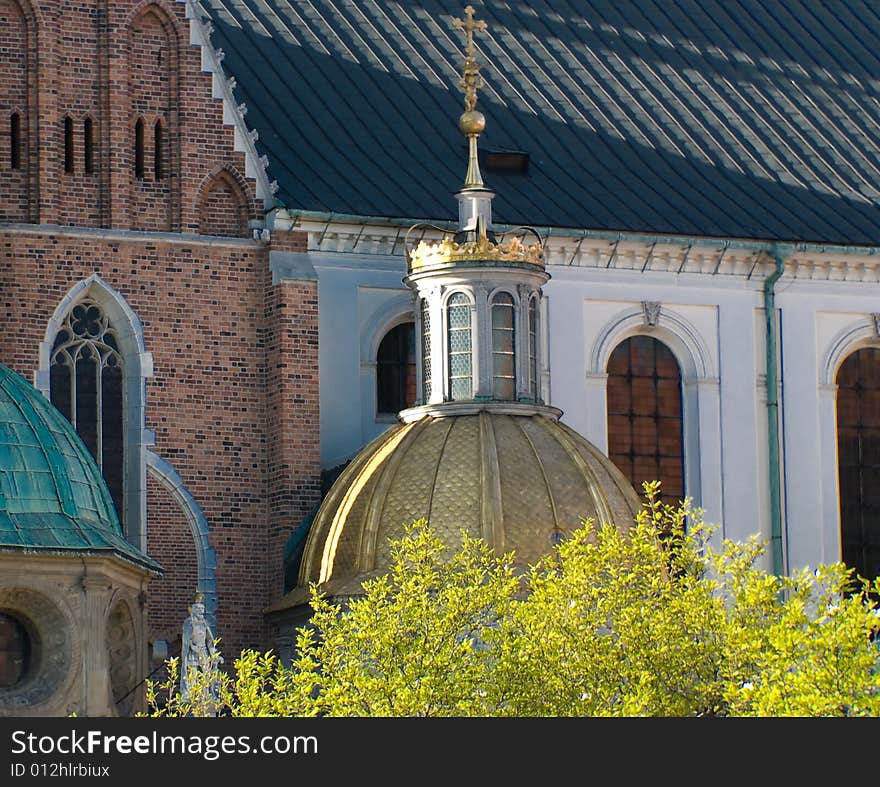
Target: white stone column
x,y
96,698
830,478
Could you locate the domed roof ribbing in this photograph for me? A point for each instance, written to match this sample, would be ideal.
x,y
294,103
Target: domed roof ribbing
x,y
516,480
52,495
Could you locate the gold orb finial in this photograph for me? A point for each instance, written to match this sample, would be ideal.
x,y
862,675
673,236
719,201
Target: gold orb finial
x,y
472,123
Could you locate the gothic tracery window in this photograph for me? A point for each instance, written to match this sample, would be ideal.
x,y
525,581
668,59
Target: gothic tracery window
x,y
86,386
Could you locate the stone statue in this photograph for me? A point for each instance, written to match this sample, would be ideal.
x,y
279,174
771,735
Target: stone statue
x,y
198,653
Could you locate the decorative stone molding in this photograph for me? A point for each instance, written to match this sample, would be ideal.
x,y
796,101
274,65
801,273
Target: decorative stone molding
x,y
651,313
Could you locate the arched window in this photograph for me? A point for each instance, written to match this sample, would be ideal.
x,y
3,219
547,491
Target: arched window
x,y
157,151
15,141
14,651
459,348
503,355
139,148
396,370
86,386
88,143
533,348
68,144
645,415
858,452
426,352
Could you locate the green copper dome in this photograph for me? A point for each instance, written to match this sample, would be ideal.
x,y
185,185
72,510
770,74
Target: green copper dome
x,y
52,495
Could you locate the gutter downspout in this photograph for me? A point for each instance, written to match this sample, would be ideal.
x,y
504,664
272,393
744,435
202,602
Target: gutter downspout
x,y
773,412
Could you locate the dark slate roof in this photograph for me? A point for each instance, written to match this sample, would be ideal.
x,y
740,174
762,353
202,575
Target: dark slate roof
x,y
731,118
52,496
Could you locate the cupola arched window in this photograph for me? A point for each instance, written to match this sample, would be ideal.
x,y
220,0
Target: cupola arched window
x,y
139,148
68,144
645,427
503,344
458,310
396,370
15,141
858,457
533,348
86,386
426,352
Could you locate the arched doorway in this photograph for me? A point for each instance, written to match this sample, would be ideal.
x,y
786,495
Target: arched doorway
x,y
645,438
858,460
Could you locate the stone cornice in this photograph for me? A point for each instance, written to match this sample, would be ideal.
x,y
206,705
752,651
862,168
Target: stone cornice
x,y
701,256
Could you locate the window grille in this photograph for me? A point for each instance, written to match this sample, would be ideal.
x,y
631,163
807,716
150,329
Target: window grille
x,y
426,352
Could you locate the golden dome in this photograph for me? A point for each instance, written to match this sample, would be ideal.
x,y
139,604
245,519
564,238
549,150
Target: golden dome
x,y
509,473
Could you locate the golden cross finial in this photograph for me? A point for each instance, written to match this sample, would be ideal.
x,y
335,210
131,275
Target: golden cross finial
x,y
470,79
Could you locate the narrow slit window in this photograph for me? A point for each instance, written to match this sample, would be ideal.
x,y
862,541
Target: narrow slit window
x,y
158,169
15,141
139,148
88,141
68,144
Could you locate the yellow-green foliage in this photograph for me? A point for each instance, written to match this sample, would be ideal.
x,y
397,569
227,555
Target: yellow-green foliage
x,y
650,621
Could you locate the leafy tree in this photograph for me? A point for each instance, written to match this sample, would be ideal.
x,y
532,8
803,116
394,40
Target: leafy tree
x,y
649,620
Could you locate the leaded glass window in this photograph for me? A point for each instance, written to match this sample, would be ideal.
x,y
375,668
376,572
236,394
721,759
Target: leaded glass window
x,y
858,452
503,342
426,352
396,370
459,347
645,427
533,348
86,386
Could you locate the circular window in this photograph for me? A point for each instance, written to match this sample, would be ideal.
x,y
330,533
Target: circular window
x,y
15,651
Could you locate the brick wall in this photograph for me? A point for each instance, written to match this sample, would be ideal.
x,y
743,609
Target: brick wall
x,y
13,100
111,62
292,413
234,396
170,542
